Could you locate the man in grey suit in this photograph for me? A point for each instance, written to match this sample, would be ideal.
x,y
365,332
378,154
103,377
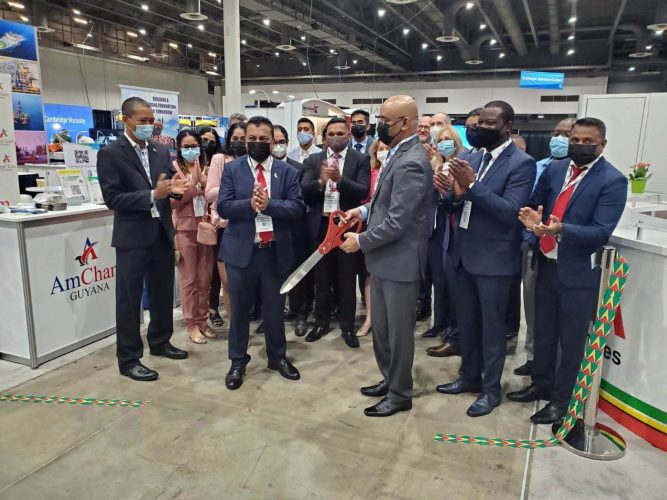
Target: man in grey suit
x,y
395,246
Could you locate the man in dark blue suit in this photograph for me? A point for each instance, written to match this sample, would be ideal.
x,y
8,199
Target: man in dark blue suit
x,y
489,189
261,198
574,210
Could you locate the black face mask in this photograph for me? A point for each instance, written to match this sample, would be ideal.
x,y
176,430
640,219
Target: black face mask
x,y
238,148
488,137
259,151
358,131
582,154
384,134
472,135
210,148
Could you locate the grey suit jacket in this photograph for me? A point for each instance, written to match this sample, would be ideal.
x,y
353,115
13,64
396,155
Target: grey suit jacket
x,y
396,241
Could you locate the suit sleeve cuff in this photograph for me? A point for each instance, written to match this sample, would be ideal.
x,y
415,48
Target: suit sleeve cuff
x,y
364,215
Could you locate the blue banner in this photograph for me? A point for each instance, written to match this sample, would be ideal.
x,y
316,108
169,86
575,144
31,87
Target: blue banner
x,y
69,122
542,80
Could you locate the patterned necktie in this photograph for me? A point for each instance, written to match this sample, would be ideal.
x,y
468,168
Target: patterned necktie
x,y
264,236
548,243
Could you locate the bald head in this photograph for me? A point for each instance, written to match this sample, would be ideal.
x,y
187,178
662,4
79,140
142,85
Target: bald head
x,y
440,120
400,114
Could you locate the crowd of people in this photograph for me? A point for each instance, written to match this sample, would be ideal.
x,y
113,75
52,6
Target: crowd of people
x,y
447,231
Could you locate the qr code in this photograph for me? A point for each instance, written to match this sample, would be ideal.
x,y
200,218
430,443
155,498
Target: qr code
x,y
76,190
81,156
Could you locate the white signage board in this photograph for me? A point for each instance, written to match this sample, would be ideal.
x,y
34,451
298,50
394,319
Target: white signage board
x,y
9,180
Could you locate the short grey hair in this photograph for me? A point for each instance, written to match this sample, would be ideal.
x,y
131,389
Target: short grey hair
x,y
239,117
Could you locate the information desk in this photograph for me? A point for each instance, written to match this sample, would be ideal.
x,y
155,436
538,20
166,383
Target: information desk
x,y
634,385
58,282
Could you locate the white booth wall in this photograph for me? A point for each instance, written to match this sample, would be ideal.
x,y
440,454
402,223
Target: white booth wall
x,y
635,131
92,81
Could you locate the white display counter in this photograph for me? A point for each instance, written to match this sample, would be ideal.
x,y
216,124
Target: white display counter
x,y
633,390
58,282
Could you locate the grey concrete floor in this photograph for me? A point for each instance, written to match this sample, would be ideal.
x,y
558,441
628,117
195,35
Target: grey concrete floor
x,y
272,438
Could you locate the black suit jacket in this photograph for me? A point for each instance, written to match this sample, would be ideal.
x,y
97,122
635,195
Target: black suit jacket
x,y
353,186
127,191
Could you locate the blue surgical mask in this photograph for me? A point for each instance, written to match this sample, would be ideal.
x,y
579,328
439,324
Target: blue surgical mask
x,y
190,154
142,132
304,138
559,146
446,148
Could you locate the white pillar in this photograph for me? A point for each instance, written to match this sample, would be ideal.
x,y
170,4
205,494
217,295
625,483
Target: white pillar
x,y
232,101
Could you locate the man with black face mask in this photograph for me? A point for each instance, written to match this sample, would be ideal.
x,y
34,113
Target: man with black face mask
x,y
489,188
261,198
359,126
574,210
335,179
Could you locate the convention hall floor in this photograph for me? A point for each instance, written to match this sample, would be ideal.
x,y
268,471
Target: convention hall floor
x,y
279,439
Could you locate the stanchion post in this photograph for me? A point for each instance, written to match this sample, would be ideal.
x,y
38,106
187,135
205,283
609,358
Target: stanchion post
x,y
586,440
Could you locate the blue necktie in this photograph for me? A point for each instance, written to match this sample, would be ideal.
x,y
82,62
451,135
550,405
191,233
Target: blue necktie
x,y
358,146
485,165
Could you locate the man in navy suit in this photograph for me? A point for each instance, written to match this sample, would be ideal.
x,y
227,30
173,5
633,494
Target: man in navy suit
x,y
489,189
261,198
574,210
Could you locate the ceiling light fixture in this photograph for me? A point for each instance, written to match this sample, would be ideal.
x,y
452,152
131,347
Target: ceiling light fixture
x,y
649,47
141,49
469,5
424,46
277,54
640,55
304,63
570,52
493,41
381,12
448,38
266,21
354,61
215,68
401,2
89,35
572,20
541,117
200,27
189,46
474,62
137,58
342,67
571,37
631,68
212,73
303,38
211,54
658,27
406,31
16,5
439,58
194,15
332,51
131,34
24,19
79,20
482,26
76,12
244,42
258,65
173,45
142,31
501,55
144,6
86,47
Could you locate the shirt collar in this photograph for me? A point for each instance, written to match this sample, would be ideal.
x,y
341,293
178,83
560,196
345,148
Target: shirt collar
x,y
136,145
589,166
393,150
362,141
267,164
342,154
497,151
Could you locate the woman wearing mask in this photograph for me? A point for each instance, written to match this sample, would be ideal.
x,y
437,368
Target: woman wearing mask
x,y
210,142
234,148
195,262
448,144
378,152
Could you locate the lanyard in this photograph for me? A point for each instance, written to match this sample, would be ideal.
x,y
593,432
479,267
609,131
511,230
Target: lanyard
x,y
570,182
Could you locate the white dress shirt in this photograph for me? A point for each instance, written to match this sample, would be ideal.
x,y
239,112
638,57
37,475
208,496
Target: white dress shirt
x,y
299,154
142,153
267,164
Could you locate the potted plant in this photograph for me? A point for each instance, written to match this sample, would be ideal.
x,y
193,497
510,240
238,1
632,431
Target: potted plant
x,y
638,177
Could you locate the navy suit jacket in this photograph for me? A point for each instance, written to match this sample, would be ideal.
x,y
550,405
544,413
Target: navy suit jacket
x,y
590,218
285,206
491,244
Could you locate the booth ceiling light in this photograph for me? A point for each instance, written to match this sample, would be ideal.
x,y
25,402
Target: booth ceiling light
x,y
24,19
137,58
448,38
658,27
286,47
173,45
401,2
649,47
132,34
86,47
474,62
16,5
639,55
277,54
80,20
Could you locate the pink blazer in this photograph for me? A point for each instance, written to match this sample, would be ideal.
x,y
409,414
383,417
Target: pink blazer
x,y
213,186
183,209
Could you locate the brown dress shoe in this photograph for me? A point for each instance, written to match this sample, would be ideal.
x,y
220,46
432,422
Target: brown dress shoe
x,y
443,350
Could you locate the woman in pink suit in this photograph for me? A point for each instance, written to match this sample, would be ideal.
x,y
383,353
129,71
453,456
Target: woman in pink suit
x,y
196,260
234,148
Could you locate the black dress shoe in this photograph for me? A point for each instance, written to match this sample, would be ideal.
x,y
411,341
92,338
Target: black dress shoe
x,y
351,339
387,408
458,387
376,391
301,328
316,334
550,414
286,369
527,394
432,333
139,372
483,406
524,370
171,352
234,378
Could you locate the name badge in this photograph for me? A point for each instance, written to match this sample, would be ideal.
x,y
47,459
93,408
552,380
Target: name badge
x,y
465,215
154,212
263,223
331,201
199,203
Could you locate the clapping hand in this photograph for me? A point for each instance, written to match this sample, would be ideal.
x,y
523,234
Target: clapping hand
x,y
442,182
531,218
555,227
260,199
462,173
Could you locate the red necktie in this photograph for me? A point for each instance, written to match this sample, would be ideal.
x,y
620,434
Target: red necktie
x,y
264,236
548,243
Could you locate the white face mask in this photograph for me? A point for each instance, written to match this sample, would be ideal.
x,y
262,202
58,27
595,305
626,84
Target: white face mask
x,y
279,151
382,155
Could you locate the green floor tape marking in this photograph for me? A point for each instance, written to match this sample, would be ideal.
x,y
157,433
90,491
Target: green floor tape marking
x,y
597,339
123,403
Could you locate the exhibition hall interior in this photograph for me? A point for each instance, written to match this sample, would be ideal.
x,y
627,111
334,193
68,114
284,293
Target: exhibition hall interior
x,y
333,249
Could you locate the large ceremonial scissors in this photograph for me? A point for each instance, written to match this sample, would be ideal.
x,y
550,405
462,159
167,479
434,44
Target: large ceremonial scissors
x,y
334,238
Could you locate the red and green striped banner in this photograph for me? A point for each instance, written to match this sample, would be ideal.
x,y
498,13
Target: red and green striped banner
x,y
122,403
597,339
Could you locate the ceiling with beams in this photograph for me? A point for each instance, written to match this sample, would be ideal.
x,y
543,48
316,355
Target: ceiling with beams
x,y
383,40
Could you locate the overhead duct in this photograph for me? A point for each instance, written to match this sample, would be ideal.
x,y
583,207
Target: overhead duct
x,y
158,41
641,41
40,17
504,8
193,11
660,21
554,27
449,33
476,45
